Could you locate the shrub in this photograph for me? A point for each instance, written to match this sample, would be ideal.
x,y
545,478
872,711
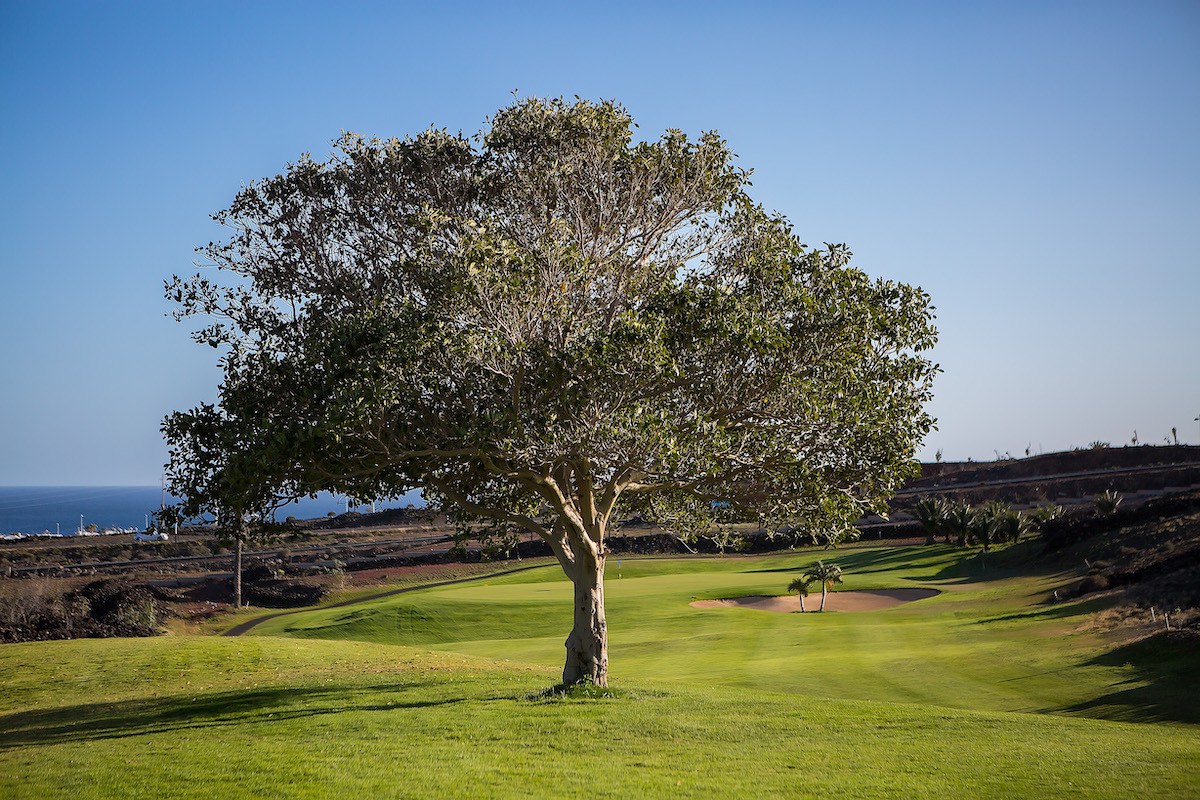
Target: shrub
x,y
118,608
282,593
1093,583
1106,504
1045,514
960,521
38,611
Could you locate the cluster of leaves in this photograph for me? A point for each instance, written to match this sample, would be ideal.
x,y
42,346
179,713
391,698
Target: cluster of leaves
x,y
990,523
728,538
1107,502
810,530
540,324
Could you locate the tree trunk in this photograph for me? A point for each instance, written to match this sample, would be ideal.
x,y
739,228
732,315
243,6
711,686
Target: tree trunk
x,y
824,591
801,604
237,574
587,646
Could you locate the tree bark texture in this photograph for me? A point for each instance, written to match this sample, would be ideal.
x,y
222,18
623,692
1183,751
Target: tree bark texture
x,y
587,646
237,574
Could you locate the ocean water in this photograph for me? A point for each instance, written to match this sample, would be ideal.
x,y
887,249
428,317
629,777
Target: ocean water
x,y
34,509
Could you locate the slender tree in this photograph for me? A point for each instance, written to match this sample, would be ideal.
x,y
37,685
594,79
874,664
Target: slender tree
x,y
221,465
800,587
552,324
826,575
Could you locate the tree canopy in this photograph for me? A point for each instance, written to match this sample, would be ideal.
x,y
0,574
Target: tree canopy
x,y
545,326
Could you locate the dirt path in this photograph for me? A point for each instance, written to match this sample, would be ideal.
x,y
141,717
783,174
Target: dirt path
x,y
868,600
250,624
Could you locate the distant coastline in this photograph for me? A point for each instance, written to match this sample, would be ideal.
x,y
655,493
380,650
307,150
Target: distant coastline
x,y
37,509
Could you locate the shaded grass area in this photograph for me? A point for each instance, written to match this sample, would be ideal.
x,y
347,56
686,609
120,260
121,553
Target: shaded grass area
x,y
1162,660
299,719
245,622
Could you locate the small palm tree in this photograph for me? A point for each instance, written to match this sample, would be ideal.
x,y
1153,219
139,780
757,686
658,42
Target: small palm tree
x,y
1044,515
989,523
800,587
1013,525
931,513
825,574
961,520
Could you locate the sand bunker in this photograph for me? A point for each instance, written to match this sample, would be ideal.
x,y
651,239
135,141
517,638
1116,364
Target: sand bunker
x,y
870,600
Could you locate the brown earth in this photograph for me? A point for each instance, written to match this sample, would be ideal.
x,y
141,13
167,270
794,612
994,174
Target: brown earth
x,y
1060,477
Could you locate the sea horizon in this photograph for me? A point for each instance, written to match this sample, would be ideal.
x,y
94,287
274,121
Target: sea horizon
x,y
53,508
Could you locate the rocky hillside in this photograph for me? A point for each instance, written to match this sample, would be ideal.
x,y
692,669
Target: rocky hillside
x,y
1140,473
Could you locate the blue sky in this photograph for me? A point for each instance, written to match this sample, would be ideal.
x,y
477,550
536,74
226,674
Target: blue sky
x,y
1034,166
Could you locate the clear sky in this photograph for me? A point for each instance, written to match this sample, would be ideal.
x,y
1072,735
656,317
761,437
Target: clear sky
x,y
1034,166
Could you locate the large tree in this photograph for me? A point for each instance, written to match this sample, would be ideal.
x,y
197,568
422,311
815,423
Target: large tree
x,y
553,323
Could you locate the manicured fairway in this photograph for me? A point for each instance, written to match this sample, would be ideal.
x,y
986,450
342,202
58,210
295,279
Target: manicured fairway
x,y
718,703
991,641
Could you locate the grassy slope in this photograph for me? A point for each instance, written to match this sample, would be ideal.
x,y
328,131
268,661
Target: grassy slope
x,y
762,708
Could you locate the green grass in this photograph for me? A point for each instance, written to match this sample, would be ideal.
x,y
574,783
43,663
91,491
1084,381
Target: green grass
x,y
406,697
994,644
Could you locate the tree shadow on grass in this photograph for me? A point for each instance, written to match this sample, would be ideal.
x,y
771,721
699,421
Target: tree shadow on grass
x,y
967,567
140,717
974,566
1164,687
1062,610
862,562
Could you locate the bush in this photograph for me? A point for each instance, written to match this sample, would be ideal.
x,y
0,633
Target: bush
x,y
267,570
118,608
1045,514
32,610
282,594
1092,583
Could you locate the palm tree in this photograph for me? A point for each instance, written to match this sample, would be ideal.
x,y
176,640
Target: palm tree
x,y
989,523
1045,514
1013,525
800,587
825,574
931,513
961,519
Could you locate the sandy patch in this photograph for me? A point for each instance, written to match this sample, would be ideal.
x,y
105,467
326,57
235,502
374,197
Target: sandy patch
x,y
869,600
